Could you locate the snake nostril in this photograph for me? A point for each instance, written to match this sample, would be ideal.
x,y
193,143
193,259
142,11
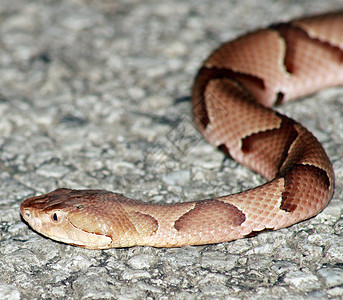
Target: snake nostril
x,y
27,214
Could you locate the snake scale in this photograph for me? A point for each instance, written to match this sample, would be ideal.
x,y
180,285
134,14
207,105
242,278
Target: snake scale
x,y
232,95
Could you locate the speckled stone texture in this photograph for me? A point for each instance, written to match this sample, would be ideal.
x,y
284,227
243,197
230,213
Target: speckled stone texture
x,y
94,94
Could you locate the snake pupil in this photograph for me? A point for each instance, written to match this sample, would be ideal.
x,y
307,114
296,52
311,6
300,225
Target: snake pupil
x,y
54,217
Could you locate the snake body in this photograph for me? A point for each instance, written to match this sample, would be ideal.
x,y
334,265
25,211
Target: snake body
x,y
232,96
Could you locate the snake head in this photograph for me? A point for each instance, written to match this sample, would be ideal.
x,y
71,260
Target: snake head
x,y
72,217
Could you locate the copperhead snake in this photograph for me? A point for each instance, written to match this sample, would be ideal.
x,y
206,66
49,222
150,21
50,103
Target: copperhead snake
x,y
231,98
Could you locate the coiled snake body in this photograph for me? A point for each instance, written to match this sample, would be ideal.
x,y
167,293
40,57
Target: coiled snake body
x,y
231,95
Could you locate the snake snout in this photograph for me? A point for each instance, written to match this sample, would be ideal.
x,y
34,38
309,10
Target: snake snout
x,y
26,213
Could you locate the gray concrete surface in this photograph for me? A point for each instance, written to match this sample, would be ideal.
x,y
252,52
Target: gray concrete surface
x,y
90,97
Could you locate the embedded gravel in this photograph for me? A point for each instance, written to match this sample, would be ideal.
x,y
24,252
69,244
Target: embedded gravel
x,y
95,94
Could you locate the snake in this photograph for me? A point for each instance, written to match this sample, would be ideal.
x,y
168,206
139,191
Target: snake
x,y
232,99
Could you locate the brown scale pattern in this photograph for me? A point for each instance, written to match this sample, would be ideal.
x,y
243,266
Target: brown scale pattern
x,y
307,150
305,187
265,62
326,28
145,224
213,213
305,56
230,91
269,149
243,119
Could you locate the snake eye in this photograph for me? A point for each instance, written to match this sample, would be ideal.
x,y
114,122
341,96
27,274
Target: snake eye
x,y
56,217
